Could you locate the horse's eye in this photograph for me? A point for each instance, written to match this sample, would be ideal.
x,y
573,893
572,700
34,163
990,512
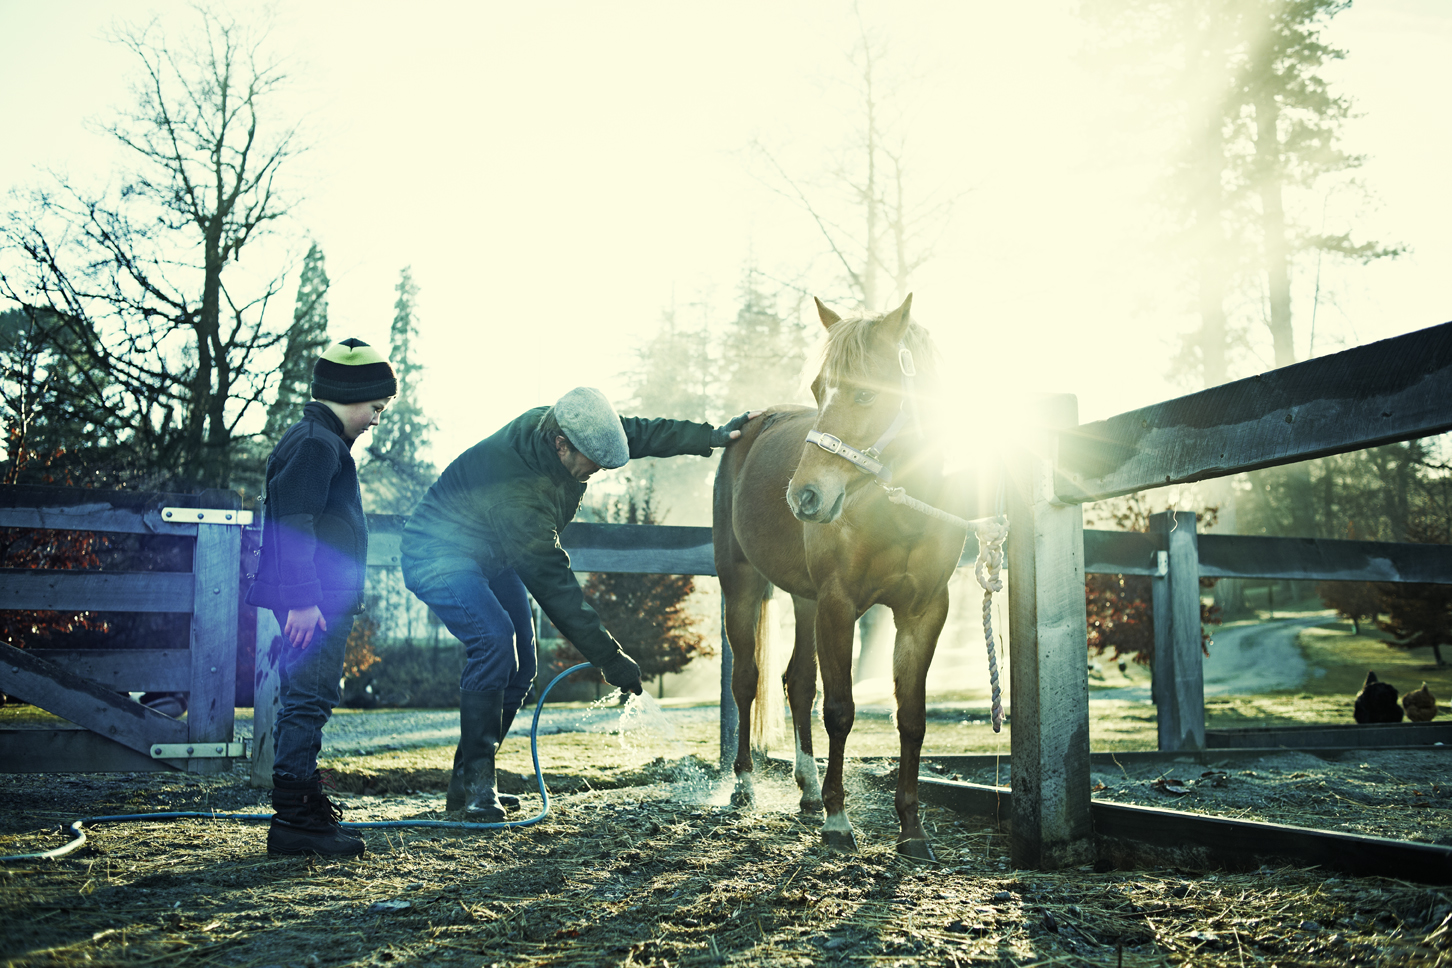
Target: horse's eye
x,y
865,397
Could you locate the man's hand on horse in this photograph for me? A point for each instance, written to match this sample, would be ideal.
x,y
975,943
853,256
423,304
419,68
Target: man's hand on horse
x,y
731,429
621,670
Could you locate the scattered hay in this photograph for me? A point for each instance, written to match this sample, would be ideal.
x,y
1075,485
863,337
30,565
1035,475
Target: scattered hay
x,y
657,872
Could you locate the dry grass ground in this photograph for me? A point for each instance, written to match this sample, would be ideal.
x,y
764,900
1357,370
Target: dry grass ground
x,y
658,873
642,862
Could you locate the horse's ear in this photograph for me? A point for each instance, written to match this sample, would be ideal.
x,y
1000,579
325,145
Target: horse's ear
x,y
828,317
895,323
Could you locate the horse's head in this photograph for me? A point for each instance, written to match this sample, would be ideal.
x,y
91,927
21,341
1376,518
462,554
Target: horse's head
x,y
862,394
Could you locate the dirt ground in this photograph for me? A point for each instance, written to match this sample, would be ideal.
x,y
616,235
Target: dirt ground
x,y
642,861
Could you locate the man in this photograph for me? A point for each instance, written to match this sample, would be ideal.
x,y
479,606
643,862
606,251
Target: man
x,y
489,529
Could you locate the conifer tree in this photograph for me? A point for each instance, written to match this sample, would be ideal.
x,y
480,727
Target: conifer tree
x,y
307,338
763,353
396,476
673,378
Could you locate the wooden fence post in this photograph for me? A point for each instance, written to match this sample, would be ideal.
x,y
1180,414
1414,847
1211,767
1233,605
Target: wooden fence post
x,y
1048,654
211,704
1179,668
266,697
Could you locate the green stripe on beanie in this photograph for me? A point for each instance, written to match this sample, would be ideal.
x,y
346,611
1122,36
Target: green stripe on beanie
x,y
351,371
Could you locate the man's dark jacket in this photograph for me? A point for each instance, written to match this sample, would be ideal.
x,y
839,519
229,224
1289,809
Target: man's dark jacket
x,y
315,536
504,502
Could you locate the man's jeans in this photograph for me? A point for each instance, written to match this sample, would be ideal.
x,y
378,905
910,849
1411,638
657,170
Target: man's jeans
x,y
310,686
490,614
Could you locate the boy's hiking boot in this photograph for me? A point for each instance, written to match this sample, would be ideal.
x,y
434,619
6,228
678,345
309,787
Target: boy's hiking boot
x,y
305,821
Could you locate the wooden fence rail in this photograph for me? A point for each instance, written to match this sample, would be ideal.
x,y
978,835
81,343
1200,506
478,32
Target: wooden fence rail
x,y
1389,391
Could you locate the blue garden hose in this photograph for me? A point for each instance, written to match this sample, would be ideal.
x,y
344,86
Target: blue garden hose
x,y
76,831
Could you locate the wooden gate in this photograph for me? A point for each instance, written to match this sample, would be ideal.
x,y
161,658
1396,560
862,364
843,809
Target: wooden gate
x,y
88,687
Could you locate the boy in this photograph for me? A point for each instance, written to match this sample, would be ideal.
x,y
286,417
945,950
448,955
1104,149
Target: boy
x,y
311,573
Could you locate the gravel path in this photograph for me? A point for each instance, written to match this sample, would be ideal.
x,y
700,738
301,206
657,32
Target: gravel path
x,y
363,732
1245,660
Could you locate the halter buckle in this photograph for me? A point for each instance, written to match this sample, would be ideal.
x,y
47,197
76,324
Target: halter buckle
x,y
905,361
829,443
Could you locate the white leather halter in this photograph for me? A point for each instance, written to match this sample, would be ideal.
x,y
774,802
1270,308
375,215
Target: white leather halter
x,y
869,461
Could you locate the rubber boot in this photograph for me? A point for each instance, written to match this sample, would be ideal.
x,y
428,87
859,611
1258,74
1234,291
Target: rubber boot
x,y
454,799
481,722
507,800
305,821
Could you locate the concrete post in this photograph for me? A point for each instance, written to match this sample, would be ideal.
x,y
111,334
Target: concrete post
x,y
1179,669
1048,653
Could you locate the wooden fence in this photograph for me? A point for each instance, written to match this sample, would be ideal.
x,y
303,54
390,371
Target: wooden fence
x,y
1394,390
1171,554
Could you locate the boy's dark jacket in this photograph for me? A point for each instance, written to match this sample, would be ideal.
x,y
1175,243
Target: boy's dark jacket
x,y
315,536
504,501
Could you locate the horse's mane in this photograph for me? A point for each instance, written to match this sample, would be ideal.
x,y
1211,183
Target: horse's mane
x,y
847,353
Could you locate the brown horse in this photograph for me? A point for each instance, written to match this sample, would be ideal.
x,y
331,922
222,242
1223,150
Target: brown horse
x,y
796,506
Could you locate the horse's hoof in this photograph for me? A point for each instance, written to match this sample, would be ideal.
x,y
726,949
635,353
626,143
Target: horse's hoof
x,y
917,850
842,840
741,798
811,806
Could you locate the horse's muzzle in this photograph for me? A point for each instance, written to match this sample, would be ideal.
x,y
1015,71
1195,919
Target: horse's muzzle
x,y
808,504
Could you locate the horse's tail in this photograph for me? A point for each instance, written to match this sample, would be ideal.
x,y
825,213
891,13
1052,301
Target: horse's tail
x,y
768,713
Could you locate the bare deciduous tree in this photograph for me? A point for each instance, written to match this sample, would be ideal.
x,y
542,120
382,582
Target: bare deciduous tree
x,y
131,290
888,231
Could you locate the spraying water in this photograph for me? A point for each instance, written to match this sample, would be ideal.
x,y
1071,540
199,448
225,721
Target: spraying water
x,y
648,732
645,728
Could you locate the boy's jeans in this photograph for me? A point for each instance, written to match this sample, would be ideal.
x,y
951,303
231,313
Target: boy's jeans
x,y
490,614
310,686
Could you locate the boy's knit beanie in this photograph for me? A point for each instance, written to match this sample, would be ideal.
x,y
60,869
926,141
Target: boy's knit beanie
x,y
351,371
593,426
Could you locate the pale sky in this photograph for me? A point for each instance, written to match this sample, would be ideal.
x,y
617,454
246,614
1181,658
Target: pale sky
x,y
558,174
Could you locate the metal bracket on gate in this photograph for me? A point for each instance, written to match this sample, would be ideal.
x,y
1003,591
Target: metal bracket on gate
x,y
197,751
206,516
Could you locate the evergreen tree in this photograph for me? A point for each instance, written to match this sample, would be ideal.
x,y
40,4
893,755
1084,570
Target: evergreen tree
x,y
646,612
673,378
1296,142
1242,82
396,476
762,353
307,338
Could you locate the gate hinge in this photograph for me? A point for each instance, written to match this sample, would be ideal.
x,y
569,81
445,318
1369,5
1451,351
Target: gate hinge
x,y
206,516
197,751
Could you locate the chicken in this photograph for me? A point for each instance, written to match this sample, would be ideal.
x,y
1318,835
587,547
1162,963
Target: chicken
x,y
1420,705
1377,702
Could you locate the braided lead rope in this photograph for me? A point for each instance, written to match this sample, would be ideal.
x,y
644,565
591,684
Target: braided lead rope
x,y
992,533
898,496
991,536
